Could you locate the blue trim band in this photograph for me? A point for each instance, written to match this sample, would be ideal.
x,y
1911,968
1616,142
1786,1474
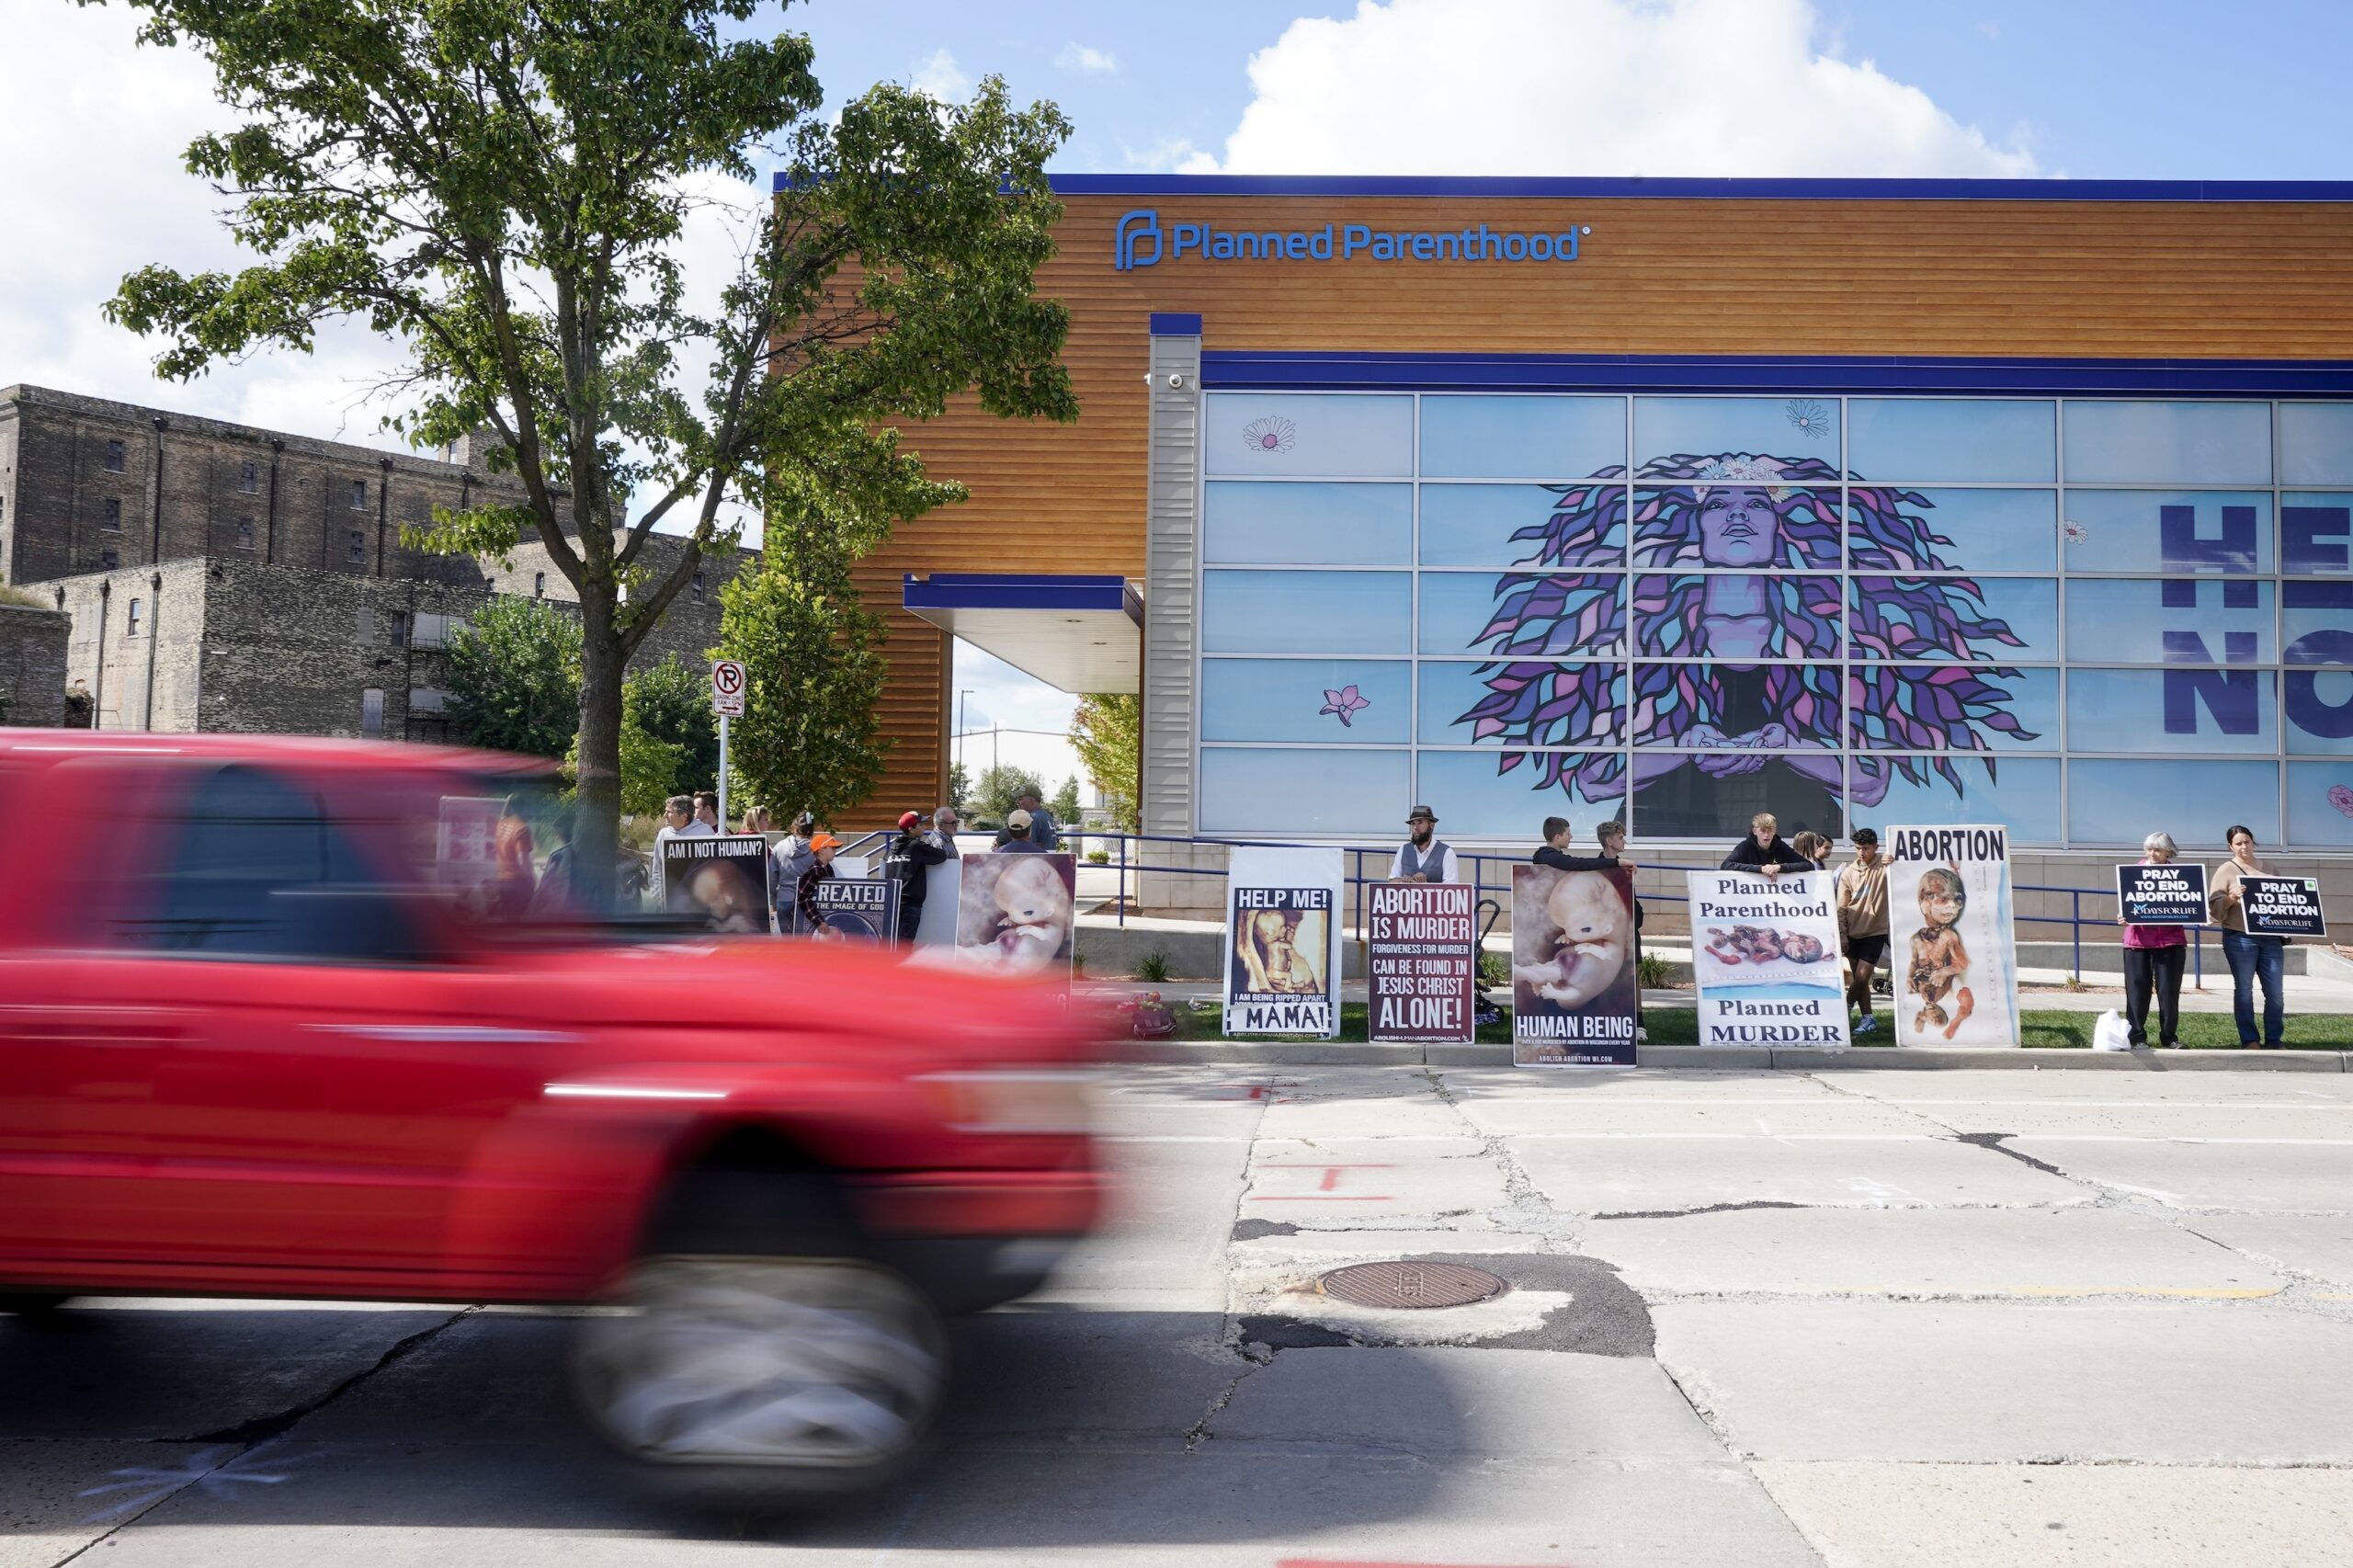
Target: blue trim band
x,y
970,590
1172,323
1476,188
1808,373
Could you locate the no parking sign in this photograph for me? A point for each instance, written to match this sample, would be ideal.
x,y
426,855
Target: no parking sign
x,y
727,688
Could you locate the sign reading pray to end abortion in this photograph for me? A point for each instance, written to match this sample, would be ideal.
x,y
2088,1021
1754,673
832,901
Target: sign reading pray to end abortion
x,y
2283,906
2170,894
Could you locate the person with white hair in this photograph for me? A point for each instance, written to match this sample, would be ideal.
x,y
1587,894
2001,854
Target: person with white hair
x,y
2153,958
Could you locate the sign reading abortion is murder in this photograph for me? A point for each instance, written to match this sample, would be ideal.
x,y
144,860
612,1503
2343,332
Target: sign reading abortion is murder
x,y
1954,950
1282,942
2170,894
1765,951
1421,961
1573,980
2282,906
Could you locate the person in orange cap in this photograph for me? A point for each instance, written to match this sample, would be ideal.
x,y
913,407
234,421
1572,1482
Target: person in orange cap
x,y
804,897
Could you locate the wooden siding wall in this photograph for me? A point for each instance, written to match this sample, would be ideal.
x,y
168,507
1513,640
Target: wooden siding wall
x,y
2018,280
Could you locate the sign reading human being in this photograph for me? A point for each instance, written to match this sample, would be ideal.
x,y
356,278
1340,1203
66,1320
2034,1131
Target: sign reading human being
x,y
2282,906
1421,962
1573,989
850,909
1954,952
1282,942
723,879
1764,952
1016,915
2170,894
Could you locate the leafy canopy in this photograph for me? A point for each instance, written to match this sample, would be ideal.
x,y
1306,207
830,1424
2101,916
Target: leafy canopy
x,y
1001,788
1107,730
670,702
515,677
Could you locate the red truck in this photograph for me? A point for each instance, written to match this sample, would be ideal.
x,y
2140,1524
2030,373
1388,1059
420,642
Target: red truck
x,y
257,1038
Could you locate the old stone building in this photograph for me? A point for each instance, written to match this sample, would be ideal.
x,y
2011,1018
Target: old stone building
x,y
32,665
224,578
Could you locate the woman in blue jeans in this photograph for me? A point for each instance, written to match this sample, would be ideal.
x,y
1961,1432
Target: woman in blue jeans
x,y
2251,959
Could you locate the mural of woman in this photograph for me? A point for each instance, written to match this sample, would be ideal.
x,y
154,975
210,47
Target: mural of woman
x,y
1775,727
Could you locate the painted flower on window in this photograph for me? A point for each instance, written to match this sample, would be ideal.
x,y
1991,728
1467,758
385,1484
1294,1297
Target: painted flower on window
x,y
1345,703
2077,533
1272,434
1808,416
2341,798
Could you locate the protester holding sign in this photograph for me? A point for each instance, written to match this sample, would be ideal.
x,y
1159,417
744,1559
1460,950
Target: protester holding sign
x,y
2155,956
2252,958
820,867
1765,850
906,862
1424,857
1862,922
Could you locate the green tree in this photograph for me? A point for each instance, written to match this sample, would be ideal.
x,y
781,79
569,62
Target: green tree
x,y
1107,730
515,679
651,769
1000,787
502,184
1064,805
959,787
671,702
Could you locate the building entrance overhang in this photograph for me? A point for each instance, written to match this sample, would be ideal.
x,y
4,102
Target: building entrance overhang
x,y
1079,634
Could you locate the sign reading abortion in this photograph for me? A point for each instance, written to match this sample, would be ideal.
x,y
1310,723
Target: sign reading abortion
x,y
1421,961
1948,920
1139,240
2283,906
1573,989
2170,894
1765,951
1282,942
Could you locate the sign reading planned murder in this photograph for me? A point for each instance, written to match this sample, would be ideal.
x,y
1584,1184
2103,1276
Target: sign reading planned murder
x,y
850,909
1765,951
1574,991
2170,894
1282,942
2282,906
1421,961
1955,954
722,879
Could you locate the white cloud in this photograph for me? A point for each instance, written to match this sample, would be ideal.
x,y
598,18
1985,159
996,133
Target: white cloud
x,y
1169,152
1696,88
939,75
1076,56
1033,719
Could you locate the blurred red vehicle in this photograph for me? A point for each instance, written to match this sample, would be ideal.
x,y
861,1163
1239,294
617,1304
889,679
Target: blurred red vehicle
x,y
257,1037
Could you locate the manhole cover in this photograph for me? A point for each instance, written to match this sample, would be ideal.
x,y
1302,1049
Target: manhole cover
x,y
1411,1284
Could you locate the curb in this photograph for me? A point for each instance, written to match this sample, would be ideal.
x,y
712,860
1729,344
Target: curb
x,y
1733,1058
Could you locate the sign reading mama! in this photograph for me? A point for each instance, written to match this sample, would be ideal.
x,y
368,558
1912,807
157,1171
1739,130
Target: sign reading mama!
x,y
1139,241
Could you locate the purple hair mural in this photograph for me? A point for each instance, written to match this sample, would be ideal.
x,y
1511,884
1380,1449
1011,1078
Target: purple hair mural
x,y
1739,510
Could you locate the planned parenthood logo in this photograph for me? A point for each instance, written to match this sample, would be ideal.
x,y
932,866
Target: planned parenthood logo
x,y
1139,239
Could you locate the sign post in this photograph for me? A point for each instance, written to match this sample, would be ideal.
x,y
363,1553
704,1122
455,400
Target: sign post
x,y
727,701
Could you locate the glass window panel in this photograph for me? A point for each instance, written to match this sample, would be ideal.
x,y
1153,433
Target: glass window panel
x,y
2176,620
1523,703
2315,446
1522,437
1480,795
1305,612
1952,708
1555,614
2316,623
1736,614
2109,801
1307,525
1952,530
1672,435
1284,791
2320,805
2020,793
1953,620
1311,435
1712,705
1911,439
2127,442
1713,796
2167,531
1509,524
2319,705
2315,534
1361,702
1733,525
2172,711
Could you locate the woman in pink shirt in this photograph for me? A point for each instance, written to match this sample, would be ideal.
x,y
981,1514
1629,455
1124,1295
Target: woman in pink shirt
x,y
2153,958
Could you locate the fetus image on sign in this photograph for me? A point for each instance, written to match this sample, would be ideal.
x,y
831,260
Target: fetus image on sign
x,y
1940,961
1572,946
1281,951
1761,945
1014,912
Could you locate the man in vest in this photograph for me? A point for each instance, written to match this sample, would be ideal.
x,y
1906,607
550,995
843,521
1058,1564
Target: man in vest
x,y
1423,857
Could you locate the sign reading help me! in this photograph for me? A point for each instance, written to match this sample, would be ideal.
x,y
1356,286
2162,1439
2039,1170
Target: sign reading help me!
x,y
1282,942
1765,951
1421,961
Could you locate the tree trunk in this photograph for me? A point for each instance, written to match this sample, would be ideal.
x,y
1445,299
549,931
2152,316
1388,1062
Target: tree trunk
x,y
596,820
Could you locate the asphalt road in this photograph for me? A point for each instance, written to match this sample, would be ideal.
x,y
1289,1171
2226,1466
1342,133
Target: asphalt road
x,y
1858,1318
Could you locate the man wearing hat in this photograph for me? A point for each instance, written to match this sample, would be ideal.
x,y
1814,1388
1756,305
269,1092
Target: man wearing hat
x,y
908,862
1423,857
1013,838
804,893
788,862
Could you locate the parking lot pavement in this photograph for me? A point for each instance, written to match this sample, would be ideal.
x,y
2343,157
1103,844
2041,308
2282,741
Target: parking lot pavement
x,y
1843,1318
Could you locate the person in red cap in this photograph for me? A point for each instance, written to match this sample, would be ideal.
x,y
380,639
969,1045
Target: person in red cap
x,y
908,862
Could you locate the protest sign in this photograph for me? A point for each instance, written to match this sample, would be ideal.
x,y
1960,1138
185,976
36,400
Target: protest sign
x,y
1421,961
855,909
1015,914
943,884
1282,942
1573,989
2170,894
1955,951
2282,906
1764,952
722,878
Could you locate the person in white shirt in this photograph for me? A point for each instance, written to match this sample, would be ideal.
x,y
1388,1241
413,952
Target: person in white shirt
x,y
1424,858
678,822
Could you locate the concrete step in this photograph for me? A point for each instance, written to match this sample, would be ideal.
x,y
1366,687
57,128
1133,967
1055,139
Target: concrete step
x,y
1733,1058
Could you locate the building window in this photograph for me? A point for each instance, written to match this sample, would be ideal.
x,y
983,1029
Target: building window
x,y
111,559
429,630
359,546
696,588
427,699
372,712
245,533
400,629
249,478
359,495
539,584
114,457
366,630
130,626
110,514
